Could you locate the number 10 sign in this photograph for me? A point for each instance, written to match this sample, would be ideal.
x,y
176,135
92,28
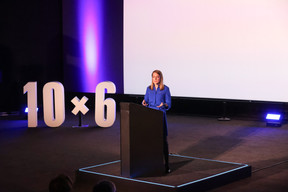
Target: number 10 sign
x,y
54,104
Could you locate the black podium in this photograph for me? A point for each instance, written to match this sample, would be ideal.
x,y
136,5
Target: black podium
x,y
141,141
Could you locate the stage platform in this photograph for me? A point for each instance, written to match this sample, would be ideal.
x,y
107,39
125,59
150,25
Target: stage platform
x,y
188,174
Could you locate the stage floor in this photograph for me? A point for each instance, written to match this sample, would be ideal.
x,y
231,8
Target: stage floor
x,y
188,174
65,149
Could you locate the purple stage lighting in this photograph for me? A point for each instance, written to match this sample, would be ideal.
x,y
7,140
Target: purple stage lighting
x,y
90,29
273,119
26,110
270,116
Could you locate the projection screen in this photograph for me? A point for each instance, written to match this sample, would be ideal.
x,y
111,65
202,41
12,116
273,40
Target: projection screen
x,y
208,49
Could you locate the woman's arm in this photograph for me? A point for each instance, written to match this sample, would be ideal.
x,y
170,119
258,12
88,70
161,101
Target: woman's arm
x,y
146,99
167,103
167,100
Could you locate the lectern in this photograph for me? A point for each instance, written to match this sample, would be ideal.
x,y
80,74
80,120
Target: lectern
x,y
141,141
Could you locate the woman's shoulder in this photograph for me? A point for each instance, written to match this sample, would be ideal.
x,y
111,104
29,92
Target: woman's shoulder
x,y
166,87
148,89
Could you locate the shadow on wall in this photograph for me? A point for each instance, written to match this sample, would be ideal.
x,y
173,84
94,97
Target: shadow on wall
x,y
9,97
12,80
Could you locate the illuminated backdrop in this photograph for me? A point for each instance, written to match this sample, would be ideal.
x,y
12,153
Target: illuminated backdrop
x,y
90,35
92,44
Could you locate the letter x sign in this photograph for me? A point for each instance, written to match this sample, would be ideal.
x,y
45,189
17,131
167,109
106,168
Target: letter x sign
x,y
80,105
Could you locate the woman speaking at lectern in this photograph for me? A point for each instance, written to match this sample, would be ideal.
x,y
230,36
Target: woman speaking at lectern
x,y
158,97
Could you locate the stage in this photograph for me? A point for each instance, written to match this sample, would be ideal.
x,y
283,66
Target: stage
x,y
31,157
188,174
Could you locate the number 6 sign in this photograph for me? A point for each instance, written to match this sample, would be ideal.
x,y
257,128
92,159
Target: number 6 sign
x,y
101,102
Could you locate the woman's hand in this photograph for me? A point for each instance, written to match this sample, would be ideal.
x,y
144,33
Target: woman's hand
x,y
165,104
144,103
160,105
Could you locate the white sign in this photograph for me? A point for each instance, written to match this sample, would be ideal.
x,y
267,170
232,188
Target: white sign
x,y
54,104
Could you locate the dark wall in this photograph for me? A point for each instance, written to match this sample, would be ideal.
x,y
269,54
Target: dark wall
x,y
215,108
113,36
30,47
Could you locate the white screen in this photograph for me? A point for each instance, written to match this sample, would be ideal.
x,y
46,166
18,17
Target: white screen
x,y
208,48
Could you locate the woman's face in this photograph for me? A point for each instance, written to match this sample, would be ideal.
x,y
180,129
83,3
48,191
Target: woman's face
x,y
155,78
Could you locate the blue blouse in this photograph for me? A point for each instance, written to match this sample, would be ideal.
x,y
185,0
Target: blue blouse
x,y
155,97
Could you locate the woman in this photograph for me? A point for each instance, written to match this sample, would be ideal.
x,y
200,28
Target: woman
x,y
158,97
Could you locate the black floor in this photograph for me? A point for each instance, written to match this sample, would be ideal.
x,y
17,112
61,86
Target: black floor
x,y
30,157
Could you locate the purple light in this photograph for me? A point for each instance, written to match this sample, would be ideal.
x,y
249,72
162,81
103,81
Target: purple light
x,y
26,110
90,17
273,119
270,116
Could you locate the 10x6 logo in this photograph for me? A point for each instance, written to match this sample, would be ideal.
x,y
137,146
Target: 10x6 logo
x,y
54,104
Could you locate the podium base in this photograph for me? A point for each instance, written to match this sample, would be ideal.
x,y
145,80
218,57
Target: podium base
x,y
188,174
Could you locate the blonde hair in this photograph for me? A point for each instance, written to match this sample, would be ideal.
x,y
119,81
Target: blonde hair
x,y
161,84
